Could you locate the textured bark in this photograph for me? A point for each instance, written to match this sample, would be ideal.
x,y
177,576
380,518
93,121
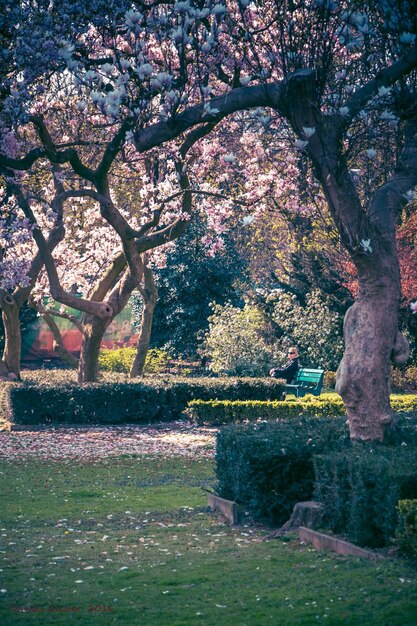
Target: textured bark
x,y
150,297
372,340
94,329
13,340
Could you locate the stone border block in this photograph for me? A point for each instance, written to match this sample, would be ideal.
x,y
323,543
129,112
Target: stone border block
x,y
328,542
228,508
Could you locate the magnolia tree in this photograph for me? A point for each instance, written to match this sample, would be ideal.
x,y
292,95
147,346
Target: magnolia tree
x,y
336,80
341,79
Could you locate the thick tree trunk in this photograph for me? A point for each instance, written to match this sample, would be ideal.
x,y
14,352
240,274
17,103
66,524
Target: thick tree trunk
x,y
13,340
372,340
150,297
94,329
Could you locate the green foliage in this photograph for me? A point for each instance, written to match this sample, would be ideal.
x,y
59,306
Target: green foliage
x,y
325,405
360,489
329,381
121,359
404,379
241,341
236,342
268,467
315,328
161,399
188,284
406,533
225,411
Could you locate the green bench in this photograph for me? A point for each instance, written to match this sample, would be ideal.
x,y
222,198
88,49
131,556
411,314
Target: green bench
x,y
308,380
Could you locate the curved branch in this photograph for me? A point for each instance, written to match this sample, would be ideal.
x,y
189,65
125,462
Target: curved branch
x,y
236,100
101,309
386,77
56,156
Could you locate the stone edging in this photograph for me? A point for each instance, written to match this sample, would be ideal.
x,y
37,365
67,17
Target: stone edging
x,y
227,507
328,542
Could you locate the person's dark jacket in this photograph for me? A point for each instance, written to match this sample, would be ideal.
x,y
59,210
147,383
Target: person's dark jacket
x,y
287,371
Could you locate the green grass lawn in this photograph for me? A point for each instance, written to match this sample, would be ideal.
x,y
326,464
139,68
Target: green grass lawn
x,y
130,541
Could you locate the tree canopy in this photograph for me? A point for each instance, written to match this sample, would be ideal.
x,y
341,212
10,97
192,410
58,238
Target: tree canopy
x,y
325,88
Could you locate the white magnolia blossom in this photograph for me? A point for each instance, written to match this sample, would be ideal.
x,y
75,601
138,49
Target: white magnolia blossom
x,y
308,131
209,110
366,245
407,38
344,110
300,144
410,195
107,68
413,306
371,153
388,115
248,219
384,91
219,9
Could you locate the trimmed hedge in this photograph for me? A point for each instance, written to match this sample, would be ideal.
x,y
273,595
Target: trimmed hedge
x,y
406,534
360,489
118,402
268,467
217,412
6,411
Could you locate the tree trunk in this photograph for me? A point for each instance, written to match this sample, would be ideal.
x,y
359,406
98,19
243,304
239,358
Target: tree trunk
x,y
94,329
372,340
150,297
13,339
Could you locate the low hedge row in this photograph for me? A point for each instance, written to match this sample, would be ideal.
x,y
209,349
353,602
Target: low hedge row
x,y
118,402
269,467
361,487
218,412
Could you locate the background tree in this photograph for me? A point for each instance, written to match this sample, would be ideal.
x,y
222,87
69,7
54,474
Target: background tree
x,y
191,280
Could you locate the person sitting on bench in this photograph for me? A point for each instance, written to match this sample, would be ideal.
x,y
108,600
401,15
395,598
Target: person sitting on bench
x,y
289,370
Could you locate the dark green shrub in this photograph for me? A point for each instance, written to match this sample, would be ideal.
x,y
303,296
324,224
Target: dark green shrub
x,y
360,488
406,533
268,467
122,401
